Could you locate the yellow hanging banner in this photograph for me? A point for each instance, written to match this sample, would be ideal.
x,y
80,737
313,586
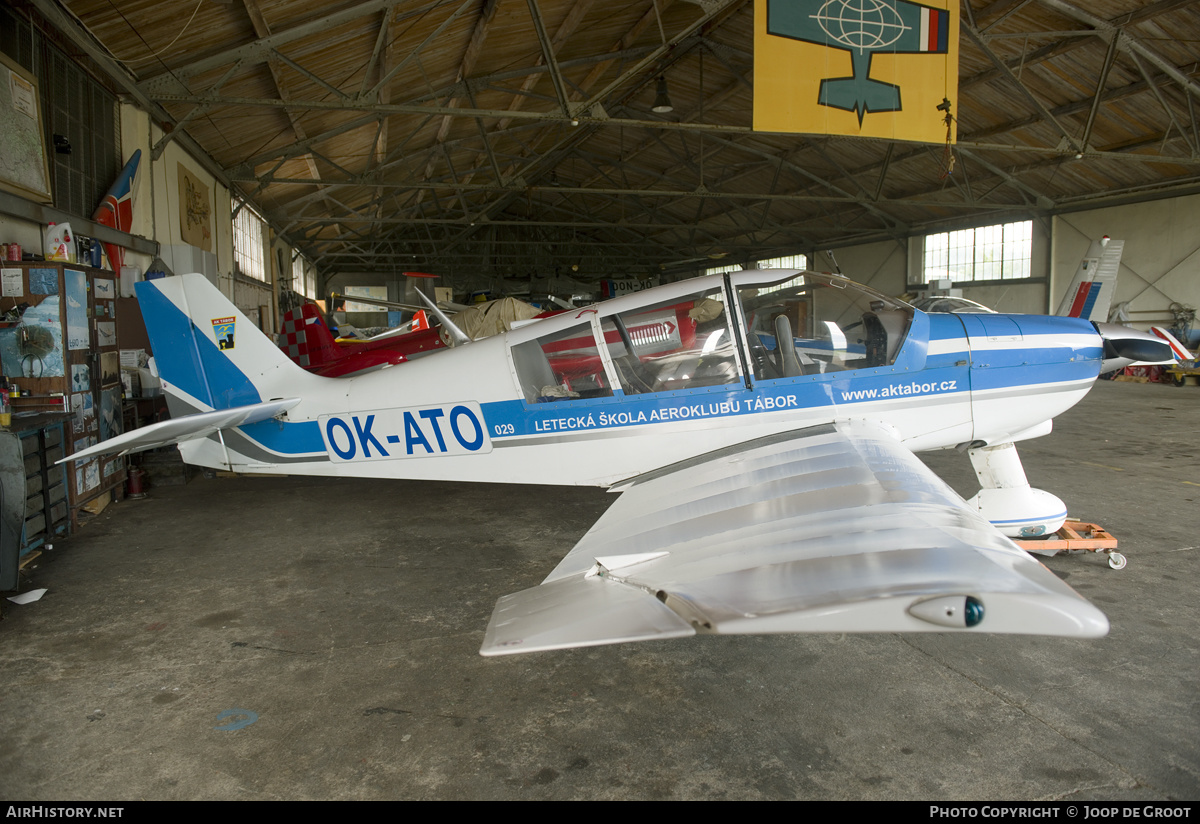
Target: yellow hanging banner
x,y
866,68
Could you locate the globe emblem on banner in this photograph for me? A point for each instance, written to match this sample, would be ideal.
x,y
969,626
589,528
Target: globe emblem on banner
x,y
861,24
863,28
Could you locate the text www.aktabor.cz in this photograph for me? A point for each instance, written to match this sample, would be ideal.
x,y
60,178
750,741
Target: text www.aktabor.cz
x,y
900,390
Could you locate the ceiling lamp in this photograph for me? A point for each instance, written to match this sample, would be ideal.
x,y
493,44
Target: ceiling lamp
x,y
662,101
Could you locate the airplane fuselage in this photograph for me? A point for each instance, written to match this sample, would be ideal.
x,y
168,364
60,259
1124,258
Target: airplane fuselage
x,y
467,413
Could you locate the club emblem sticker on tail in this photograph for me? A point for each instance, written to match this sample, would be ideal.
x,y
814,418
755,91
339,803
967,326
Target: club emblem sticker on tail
x,y
414,432
223,331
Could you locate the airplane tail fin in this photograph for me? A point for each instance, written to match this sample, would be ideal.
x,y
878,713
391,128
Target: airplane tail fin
x,y
116,209
307,340
1091,291
208,354
219,373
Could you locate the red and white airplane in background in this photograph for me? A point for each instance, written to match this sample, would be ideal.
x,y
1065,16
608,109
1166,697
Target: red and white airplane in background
x,y
305,337
307,340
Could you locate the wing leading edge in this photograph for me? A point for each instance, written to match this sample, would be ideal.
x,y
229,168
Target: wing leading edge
x,y
836,528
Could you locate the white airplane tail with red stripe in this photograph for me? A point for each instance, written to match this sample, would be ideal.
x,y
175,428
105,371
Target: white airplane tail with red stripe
x,y
1091,292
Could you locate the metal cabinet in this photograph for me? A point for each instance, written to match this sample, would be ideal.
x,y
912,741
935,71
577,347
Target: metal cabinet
x,y
33,491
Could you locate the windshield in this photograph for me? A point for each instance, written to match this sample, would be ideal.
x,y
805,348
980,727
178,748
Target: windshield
x,y
812,324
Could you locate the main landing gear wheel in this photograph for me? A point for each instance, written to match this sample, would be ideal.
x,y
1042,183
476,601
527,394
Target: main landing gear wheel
x,y
1116,560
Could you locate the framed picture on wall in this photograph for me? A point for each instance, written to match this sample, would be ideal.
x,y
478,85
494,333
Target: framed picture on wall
x,y
26,171
195,211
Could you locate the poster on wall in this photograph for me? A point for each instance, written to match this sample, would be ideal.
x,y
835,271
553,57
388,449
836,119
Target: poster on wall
x,y
33,348
88,476
81,377
110,409
112,467
78,334
25,169
110,368
77,422
195,212
11,283
106,334
43,281
84,410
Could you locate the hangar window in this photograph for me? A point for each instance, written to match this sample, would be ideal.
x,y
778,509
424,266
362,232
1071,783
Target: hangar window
x,y
1000,252
720,270
785,262
248,243
304,277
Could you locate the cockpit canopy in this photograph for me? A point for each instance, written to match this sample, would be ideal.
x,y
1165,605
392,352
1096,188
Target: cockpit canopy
x,y
715,331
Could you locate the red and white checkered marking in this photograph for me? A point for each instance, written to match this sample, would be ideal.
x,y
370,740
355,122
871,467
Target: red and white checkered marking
x,y
295,343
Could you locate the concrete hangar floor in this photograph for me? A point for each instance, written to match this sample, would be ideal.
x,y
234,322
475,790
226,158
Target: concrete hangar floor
x,y
293,638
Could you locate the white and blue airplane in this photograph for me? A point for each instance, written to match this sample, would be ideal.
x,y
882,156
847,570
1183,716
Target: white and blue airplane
x,y
765,487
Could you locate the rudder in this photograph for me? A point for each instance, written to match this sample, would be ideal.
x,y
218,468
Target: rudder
x,y
207,352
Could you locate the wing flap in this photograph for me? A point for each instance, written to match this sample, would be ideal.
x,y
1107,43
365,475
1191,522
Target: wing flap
x,y
186,428
831,529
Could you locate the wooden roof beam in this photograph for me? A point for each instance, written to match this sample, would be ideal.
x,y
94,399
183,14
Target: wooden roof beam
x,y
1107,29
548,50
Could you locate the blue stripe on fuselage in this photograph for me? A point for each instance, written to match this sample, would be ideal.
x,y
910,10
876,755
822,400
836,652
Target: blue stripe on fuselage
x,y
718,402
1025,373
294,438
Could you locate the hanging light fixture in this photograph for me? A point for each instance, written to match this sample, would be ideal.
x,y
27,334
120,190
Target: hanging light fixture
x,y
662,101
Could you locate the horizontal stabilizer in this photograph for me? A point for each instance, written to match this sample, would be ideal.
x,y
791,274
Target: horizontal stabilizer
x,y
186,428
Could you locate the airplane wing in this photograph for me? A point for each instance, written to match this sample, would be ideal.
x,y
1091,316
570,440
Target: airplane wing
x,y
835,528
186,428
